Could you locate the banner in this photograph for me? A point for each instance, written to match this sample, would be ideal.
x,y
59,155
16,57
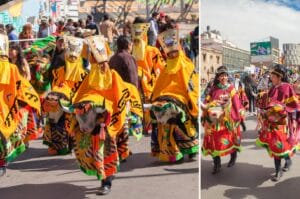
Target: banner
x,y
260,48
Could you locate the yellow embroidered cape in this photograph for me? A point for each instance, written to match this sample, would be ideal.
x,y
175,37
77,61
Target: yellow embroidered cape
x,y
15,89
135,100
114,98
150,68
179,80
68,86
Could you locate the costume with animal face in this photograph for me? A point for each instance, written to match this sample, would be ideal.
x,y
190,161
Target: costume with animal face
x,y
150,64
174,105
66,80
100,114
18,100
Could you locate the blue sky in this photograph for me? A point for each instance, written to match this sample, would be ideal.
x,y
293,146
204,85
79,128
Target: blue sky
x,y
245,21
294,4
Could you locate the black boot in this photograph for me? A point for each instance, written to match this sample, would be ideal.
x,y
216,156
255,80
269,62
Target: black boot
x,y
243,126
287,165
232,159
2,170
106,186
278,173
217,165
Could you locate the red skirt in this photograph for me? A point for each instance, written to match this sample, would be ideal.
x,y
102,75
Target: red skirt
x,y
276,142
221,142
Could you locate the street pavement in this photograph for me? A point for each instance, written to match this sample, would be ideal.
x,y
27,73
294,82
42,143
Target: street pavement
x,y
35,175
250,177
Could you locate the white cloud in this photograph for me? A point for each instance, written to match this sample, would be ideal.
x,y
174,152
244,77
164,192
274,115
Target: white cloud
x,y
245,21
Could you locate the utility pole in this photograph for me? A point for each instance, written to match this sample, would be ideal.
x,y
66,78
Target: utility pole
x,y
147,9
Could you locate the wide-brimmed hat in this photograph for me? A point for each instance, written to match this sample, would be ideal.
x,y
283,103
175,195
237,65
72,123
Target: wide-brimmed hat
x,y
222,69
279,70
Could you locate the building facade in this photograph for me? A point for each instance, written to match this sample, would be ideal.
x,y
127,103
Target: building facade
x,y
211,54
235,59
291,55
217,52
211,59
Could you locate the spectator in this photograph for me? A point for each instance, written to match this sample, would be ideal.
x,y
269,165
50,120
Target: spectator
x,y
16,57
108,29
44,29
123,62
2,29
195,41
81,23
58,58
69,27
185,46
26,33
127,28
60,27
251,92
161,22
11,33
153,30
90,24
52,26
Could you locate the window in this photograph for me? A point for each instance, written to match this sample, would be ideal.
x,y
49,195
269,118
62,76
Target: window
x,y
218,59
212,69
204,57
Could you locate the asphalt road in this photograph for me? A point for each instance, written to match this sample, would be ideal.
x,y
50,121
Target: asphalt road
x,y
35,175
250,177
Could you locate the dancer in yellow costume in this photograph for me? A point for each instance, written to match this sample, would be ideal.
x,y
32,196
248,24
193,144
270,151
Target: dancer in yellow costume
x,y
150,64
66,81
100,109
17,97
174,103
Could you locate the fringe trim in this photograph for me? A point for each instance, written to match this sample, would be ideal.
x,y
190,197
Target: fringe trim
x,y
15,153
221,153
271,153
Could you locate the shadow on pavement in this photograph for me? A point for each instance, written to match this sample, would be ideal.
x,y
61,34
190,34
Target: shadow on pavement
x,y
145,160
283,189
44,165
46,191
241,175
171,172
32,153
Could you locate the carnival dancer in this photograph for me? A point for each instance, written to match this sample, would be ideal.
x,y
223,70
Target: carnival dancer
x,y
244,102
124,63
296,86
278,133
100,109
221,118
150,64
40,76
17,96
66,81
174,104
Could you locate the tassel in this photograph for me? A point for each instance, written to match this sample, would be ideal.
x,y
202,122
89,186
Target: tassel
x,y
102,132
96,143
